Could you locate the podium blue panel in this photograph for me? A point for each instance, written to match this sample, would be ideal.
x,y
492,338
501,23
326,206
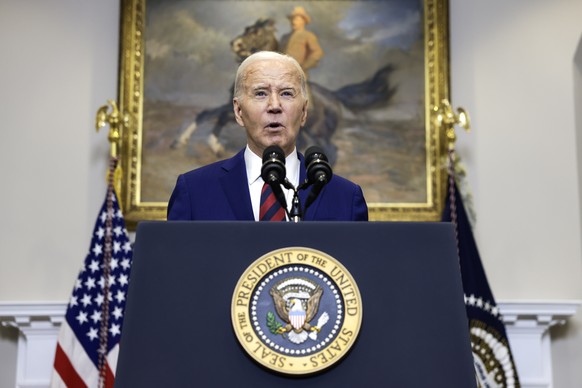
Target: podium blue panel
x,y
177,329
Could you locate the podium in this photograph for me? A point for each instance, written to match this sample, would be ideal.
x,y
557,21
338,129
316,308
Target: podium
x,y
177,329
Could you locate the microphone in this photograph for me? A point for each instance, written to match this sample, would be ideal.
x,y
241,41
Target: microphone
x,y
273,168
317,165
319,172
273,172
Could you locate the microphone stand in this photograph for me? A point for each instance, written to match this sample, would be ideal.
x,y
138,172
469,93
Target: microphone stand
x,y
296,212
295,215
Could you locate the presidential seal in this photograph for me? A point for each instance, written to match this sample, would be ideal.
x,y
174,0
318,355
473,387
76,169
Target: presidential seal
x,y
296,310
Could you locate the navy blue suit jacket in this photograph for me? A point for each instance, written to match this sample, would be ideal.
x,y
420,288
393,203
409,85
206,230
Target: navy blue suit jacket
x,y
220,192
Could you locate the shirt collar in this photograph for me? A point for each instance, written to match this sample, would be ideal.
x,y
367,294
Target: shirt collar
x,y
254,163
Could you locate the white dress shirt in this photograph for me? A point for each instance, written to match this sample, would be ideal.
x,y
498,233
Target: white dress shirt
x,y
254,163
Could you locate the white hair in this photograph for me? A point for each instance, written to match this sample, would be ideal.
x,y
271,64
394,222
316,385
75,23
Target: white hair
x,y
262,56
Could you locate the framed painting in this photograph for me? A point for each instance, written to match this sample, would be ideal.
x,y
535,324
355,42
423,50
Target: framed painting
x,y
383,71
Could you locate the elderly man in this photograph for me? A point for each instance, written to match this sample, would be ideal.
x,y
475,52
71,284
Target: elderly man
x,y
270,102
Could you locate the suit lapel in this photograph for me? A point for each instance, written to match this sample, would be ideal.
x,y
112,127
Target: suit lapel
x,y
233,181
302,178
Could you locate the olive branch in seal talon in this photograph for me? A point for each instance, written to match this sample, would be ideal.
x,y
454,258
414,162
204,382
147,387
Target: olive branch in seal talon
x,y
274,326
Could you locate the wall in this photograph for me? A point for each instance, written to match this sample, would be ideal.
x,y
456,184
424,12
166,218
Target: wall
x,y
58,65
512,68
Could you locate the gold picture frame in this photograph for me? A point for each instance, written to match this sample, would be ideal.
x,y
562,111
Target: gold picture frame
x,y
405,179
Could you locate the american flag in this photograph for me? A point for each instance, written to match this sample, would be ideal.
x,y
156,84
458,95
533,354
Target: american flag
x,y
85,331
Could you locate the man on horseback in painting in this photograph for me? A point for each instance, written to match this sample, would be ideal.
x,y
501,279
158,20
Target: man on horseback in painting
x,y
300,43
326,107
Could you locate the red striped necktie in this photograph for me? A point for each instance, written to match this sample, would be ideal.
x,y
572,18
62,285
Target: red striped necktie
x,y
271,209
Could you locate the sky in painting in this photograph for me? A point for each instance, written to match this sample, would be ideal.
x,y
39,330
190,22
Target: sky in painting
x,y
188,58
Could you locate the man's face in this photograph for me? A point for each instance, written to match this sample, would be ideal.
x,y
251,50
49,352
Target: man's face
x,y
271,106
297,23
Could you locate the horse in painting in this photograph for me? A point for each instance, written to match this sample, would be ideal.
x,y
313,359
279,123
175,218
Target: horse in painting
x,y
326,107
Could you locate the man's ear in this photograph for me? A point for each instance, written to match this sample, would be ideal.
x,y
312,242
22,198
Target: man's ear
x,y
237,111
304,113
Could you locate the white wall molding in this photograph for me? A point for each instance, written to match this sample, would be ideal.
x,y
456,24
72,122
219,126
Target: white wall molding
x,y
527,324
38,324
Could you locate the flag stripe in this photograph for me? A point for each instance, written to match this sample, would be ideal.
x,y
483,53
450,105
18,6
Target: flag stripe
x,y
66,371
76,355
112,357
56,381
109,376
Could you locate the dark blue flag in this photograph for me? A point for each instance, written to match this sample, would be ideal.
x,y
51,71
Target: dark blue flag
x,y
494,364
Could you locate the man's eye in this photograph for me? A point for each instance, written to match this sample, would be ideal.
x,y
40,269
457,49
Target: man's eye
x,y
260,93
287,93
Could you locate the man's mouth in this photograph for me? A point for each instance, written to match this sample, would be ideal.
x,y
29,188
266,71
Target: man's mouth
x,y
274,125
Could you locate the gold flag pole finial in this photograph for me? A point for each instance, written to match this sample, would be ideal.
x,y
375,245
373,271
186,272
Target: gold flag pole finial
x,y
116,121
446,119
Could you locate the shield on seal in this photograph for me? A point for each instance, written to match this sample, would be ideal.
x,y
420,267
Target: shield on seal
x,y
297,315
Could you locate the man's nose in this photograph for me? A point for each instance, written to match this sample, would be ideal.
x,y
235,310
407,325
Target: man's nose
x,y
274,103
